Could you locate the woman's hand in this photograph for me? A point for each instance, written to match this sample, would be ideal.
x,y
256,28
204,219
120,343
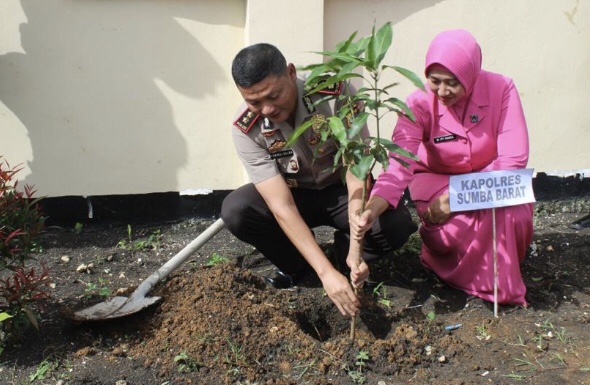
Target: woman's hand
x,y
438,211
360,223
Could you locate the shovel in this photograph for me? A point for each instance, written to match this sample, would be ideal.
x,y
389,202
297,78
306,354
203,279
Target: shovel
x,y
122,306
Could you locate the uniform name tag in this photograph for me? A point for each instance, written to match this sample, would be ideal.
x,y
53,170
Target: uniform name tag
x,y
445,138
281,154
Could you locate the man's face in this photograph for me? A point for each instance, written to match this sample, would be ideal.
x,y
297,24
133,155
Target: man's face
x,y
274,97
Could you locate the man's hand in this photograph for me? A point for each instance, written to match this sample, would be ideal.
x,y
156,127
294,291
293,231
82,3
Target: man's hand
x,y
439,210
360,223
341,293
359,273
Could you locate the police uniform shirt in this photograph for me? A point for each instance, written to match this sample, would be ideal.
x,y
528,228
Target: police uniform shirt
x,y
308,163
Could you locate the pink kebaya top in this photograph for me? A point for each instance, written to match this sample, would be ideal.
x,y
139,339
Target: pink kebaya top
x,y
484,131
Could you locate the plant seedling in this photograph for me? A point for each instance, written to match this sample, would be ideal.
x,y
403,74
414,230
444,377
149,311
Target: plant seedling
x,y
482,332
78,227
361,59
357,375
381,292
44,368
185,364
215,259
151,242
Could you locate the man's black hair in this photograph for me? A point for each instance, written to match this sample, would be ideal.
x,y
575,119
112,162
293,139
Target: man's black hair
x,y
254,63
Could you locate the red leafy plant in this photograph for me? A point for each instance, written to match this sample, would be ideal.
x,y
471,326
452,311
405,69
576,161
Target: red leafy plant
x,y
21,222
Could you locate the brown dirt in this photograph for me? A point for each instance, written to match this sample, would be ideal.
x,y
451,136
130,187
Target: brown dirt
x,y
221,325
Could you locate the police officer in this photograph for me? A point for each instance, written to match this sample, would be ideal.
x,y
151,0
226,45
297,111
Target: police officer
x,y
294,189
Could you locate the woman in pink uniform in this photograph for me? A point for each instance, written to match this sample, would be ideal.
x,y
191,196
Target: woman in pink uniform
x,y
468,120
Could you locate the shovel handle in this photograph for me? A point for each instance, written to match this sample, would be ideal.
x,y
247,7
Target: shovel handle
x,y
147,285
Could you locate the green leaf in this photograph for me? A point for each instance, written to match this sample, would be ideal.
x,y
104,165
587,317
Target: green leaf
x,y
410,76
386,88
358,48
380,153
342,57
344,45
382,42
370,61
396,149
316,75
324,135
362,169
337,128
4,316
357,125
372,104
298,132
309,67
348,69
328,81
403,106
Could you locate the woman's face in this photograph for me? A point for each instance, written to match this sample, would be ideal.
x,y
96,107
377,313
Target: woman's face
x,y
445,85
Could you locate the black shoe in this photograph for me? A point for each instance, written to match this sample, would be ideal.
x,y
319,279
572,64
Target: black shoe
x,y
280,280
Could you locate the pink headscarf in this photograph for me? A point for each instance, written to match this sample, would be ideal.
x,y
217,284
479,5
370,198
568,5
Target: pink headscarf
x,y
458,51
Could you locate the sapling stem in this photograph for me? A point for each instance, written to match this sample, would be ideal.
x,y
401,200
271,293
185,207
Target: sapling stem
x,y
356,247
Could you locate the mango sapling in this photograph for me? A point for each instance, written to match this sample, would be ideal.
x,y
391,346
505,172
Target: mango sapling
x,y
360,59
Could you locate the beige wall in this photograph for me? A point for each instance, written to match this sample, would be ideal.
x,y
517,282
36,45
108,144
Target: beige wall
x,y
544,45
119,97
122,97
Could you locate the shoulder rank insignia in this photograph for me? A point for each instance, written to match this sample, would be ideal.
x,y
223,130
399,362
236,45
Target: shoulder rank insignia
x,y
308,104
334,89
246,121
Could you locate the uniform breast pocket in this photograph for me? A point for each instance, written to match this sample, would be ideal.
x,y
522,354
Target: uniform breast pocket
x,y
326,149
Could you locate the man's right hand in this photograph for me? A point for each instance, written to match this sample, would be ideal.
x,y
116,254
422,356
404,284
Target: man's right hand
x,y
360,223
341,293
358,273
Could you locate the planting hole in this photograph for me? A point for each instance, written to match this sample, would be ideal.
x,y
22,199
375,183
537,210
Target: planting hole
x,y
315,325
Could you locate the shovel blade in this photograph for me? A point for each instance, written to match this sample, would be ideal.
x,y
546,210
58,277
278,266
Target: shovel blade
x,y
114,308
122,306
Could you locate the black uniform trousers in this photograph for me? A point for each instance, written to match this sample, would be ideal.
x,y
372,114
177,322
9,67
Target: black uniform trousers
x,y
247,217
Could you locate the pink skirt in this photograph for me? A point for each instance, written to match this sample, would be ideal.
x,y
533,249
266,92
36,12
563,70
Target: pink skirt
x,y
461,251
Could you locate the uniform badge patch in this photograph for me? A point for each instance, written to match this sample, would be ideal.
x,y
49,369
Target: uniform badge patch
x,y
318,122
246,121
277,145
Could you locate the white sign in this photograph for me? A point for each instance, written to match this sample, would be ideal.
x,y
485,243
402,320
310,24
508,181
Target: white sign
x,y
485,190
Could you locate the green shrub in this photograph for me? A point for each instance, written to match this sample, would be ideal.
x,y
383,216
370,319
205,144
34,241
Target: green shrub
x,y
21,222
20,219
